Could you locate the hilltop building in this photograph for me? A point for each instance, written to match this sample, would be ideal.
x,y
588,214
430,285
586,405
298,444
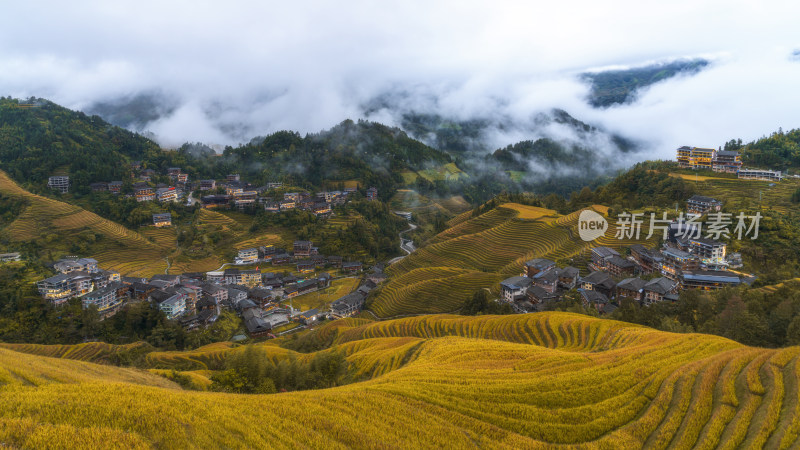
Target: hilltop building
x,y
59,183
700,204
162,220
695,157
763,175
726,161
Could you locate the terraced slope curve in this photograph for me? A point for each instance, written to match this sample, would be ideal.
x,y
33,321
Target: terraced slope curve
x,y
522,381
479,252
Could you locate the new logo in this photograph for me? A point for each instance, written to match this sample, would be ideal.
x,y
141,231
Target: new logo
x,y
591,225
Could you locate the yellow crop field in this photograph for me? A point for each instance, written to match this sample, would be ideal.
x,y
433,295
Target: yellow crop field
x,y
528,212
437,381
323,298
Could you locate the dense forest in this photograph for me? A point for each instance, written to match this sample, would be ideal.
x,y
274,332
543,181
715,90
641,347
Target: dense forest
x,y
778,151
613,87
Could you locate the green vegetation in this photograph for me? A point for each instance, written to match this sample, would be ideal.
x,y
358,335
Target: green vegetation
x,y
612,87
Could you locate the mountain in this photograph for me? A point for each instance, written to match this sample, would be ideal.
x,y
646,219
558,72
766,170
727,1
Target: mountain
x,y
429,381
614,87
136,111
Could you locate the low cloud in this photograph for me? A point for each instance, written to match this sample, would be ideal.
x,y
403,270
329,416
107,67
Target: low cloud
x,y
248,69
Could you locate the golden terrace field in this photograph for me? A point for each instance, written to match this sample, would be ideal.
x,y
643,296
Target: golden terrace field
x,y
521,381
479,252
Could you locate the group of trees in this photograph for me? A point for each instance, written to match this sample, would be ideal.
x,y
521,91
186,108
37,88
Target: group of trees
x,y
253,371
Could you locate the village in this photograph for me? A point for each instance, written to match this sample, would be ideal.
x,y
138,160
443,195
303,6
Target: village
x,y
231,193
197,299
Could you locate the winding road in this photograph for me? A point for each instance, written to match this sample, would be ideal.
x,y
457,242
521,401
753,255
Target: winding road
x,y
406,244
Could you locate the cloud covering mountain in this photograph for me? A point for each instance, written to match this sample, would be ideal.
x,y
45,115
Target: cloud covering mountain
x,y
223,74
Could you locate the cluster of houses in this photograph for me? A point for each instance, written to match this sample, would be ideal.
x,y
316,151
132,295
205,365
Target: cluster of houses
x,y
196,299
728,161
682,263
304,255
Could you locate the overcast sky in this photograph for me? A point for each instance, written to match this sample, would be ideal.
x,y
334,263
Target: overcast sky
x,y
240,69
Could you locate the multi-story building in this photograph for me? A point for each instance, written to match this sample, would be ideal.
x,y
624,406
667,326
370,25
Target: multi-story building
x,y
676,261
647,260
706,248
302,248
757,174
708,279
659,289
162,220
514,288
68,265
727,161
144,193
115,187
700,204
600,257
232,177
372,194
695,157
59,288
167,194
105,299
173,171
207,185
247,256
537,265
619,266
59,183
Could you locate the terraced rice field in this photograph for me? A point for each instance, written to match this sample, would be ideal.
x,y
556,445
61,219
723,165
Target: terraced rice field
x,y
492,246
438,381
744,194
58,224
98,352
323,298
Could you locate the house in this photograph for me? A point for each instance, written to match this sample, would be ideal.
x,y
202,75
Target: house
x,y
167,194
147,174
321,208
726,161
215,291
261,296
705,248
215,201
232,177
308,317
514,288
236,294
215,276
695,157
265,252
287,204
619,266
99,187
115,187
598,281
631,288
141,291
593,298
700,204
9,257
306,266
764,175
676,261
247,256
171,302
280,259
378,277
659,289
250,277
324,280
170,280
143,193
600,255
352,267
59,183
537,295
232,276
255,324
68,265
59,288
162,220
547,280
319,261
245,199
335,261
568,277
647,261
537,265
708,279
106,299
207,185
272,206
347,306
372,194
302,248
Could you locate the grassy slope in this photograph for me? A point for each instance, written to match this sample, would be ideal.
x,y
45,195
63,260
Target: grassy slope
x,y
439,381
476,253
